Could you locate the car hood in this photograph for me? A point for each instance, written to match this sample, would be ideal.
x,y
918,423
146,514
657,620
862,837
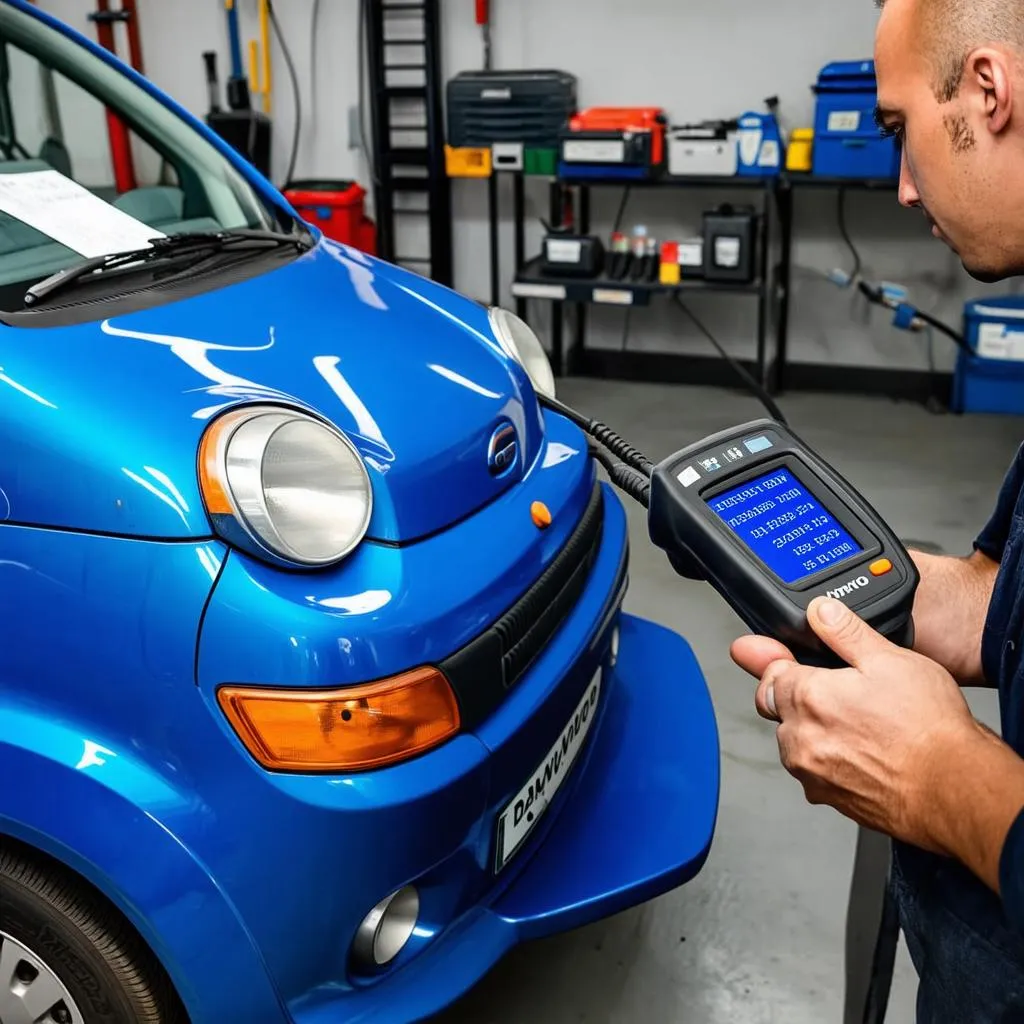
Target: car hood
x,y
102,420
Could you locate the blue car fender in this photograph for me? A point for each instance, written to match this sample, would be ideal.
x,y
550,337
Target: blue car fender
x,y
128,851
108,756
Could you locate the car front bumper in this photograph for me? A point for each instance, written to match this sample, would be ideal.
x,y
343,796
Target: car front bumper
x,y
638,823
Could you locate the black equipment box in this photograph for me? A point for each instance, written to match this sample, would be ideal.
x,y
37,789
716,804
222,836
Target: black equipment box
x,y
730,242
529,107
247,131
567,255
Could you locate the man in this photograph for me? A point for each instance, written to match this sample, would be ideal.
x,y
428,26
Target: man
x,y
890,741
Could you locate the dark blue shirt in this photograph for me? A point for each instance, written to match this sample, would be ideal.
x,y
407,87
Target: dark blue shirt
x,y
966,942
1002,649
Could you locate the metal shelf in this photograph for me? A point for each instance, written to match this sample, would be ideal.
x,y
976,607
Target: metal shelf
x,y
670,181
862,184
532,283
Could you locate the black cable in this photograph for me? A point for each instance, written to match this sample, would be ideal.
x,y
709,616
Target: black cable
x,y
752,385
603,434
626,479
313,49
841,213
622,209
363,43
934,404
276,26
955,336
874,294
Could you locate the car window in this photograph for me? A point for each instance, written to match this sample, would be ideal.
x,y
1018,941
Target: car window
x,y
55,102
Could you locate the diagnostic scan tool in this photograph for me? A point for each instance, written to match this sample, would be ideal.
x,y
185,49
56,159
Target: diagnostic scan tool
x,y
771,526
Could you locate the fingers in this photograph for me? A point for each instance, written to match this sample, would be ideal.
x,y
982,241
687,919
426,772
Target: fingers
x,y
754,654
775,693
845,632
764,700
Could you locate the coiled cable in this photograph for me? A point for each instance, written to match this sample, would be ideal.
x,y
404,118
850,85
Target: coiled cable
x,y
627,480
604,435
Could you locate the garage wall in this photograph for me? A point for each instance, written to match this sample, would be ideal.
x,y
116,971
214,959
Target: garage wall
x,y
697,59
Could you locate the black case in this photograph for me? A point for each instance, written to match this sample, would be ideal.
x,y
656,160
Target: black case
x,y
530,107
572,255
727,230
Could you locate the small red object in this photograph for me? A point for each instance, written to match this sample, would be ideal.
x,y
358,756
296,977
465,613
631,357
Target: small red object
x,y
337,208
483,14
669,252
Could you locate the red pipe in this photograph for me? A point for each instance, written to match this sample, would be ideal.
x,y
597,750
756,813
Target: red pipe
x,y
483,15
134,39
120,141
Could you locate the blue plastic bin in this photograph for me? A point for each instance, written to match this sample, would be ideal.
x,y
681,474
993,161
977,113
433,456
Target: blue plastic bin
x,y
993,380
847,142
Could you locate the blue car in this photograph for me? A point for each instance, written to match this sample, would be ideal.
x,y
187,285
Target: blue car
x,y
316,691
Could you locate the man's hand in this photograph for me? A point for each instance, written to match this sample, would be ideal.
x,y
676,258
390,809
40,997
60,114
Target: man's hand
x,y
890,741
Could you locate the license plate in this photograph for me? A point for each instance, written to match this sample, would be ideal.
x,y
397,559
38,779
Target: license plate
x,y
527,807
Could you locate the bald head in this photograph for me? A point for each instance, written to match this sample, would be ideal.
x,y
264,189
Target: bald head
x,y
951,29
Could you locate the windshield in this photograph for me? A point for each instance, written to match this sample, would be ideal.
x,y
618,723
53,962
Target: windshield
x,y
56,99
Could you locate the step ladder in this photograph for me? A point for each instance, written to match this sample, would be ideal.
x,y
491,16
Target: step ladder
x,y
412,191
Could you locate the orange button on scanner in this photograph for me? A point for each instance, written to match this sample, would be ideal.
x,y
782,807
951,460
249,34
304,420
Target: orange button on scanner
x,y
881,567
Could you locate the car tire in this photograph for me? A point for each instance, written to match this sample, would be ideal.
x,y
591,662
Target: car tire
x,y
57,932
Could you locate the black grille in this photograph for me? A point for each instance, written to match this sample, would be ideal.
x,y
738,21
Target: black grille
x,y
485,669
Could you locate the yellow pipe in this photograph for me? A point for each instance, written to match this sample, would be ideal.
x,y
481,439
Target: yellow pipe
x,y
254,67
265,44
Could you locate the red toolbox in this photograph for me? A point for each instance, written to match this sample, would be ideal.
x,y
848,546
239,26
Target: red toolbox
x,y
614,141
337,208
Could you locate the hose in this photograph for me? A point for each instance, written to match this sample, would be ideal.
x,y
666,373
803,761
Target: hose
x,y
293,75
752,385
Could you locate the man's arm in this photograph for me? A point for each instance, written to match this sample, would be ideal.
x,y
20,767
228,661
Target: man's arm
x,y
891,743
950,609
978,793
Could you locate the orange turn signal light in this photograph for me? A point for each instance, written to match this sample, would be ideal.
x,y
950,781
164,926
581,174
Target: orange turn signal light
x,y
211,481
345,730
541,515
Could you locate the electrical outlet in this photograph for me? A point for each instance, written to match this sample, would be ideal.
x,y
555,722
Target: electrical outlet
x,y
355,140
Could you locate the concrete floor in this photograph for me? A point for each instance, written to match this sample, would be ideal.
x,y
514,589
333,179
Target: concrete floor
x,y
757,937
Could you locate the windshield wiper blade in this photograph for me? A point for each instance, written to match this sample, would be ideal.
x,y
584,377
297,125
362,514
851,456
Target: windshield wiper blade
x,y
162,248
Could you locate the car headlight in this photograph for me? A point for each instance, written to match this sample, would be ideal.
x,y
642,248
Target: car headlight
x,y
284,485
519,341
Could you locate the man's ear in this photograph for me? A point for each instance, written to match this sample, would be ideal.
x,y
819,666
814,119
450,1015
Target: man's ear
x,y
989,83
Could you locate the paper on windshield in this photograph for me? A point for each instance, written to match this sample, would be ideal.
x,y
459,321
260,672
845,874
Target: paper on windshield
x,y
71,214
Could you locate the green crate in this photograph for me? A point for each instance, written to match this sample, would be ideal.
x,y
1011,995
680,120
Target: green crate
x,y
543,161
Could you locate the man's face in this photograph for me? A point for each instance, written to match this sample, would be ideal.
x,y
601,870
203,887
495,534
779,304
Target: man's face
x,y
950,166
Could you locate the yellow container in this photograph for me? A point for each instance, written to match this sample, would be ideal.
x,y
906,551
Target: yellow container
x,y
800,152
467,163
670,273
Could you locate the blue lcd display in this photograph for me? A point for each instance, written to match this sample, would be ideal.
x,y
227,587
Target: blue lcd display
x,y
784,525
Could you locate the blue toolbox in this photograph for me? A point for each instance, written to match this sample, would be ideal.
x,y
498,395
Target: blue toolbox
x,y
847,142
992,381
